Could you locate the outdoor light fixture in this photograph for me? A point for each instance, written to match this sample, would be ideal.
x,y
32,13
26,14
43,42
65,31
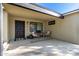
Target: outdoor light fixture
x,y
62,17
51,22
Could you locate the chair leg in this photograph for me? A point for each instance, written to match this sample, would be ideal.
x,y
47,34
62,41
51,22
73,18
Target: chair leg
x,y
24,38
15,39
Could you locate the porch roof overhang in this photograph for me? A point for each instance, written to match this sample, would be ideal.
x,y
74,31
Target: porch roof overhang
x,y
37,8
21,11
41,10
44,10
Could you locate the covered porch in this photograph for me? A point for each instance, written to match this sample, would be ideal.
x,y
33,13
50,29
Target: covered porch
x,y
63,29
16,18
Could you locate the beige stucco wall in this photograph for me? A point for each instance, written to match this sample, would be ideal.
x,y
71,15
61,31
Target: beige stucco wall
x,y
77,26
27,28
67,29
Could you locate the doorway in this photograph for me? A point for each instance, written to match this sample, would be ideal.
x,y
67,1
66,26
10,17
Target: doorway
x,y
19,29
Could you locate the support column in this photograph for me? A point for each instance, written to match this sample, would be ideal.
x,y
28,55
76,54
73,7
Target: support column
x,y
5,31
5,26
0,33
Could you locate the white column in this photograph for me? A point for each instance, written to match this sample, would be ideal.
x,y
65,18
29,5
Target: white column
x,y
0,33
5,26
5,31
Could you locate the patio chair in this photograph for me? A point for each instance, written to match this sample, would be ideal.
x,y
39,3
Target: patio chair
x,y
37,34
47,34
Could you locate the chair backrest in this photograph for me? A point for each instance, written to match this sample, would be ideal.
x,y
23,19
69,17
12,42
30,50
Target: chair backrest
x,y
48,33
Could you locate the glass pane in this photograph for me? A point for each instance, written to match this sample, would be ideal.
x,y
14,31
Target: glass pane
x,y
35,26
39,26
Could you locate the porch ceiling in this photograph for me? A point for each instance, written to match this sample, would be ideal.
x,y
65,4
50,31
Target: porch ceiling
x,y
21,12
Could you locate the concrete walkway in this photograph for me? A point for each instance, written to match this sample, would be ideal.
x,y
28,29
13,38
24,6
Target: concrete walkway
x,y
42,48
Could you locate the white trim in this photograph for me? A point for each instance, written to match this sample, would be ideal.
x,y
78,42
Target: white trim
x,y
74,11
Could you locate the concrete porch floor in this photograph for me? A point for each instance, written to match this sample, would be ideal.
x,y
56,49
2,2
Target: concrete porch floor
x,y
42,48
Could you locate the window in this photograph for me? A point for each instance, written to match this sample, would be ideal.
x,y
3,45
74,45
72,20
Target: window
x,y
36,26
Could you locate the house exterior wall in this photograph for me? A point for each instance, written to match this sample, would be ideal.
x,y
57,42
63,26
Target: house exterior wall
x,y
77,23
27,25
67,29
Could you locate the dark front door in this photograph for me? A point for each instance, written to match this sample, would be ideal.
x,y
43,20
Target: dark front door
x,y
19,29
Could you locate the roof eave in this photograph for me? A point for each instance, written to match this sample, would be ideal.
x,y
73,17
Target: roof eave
x,y
68,13
37,8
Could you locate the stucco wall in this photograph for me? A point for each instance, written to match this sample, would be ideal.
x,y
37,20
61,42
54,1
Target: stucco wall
x,y
67,29
77,26
27,21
